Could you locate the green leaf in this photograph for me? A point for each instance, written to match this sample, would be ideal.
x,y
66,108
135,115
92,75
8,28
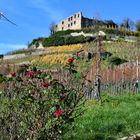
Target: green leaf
x,y
52,109
45,91
78,75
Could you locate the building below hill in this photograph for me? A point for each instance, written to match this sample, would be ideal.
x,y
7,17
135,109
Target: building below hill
x,y
78,21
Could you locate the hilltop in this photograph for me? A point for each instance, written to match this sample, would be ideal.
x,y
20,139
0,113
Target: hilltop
x,y
83,35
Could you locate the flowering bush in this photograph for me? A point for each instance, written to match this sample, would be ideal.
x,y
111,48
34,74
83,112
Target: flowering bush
x,y
70,60
13,74
58,113
34,105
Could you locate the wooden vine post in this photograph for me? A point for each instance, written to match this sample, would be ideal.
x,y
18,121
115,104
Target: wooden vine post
x,y
97,94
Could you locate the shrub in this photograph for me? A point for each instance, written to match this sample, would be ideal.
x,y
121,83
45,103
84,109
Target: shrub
x,y
56,41
64,33
116,61
34,105
1,56
34,41
105,55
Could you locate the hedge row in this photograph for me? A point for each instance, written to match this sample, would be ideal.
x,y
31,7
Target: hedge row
x,y
95,30
56,41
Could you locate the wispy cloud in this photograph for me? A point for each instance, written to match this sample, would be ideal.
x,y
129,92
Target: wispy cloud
x,y
4,47
49,7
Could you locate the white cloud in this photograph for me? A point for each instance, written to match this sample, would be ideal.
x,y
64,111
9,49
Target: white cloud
x,y
4,47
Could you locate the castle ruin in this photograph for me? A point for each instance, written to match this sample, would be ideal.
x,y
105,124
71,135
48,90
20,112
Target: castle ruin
x,y
78,21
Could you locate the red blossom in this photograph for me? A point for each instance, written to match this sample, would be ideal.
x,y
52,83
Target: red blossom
x,y
46,85
32,92
30,73
70,60
13,74
58,113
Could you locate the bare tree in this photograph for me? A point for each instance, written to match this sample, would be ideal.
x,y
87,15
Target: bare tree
x,y
127,24
96,19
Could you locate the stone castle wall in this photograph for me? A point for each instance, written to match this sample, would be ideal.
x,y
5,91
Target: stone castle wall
x,y
73,22
78,21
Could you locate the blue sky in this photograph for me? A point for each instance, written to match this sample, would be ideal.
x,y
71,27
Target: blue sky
x,y
34,17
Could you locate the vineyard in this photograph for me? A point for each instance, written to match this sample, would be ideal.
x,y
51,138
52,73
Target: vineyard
x,y
57,56
115,79
121,80
56,84
65,48
50,59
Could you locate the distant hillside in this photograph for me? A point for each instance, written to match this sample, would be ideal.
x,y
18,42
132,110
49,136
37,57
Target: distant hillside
x,y
64,37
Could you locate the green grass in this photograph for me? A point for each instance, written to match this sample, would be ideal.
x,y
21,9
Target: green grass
x,y
113,118
83,64
124,50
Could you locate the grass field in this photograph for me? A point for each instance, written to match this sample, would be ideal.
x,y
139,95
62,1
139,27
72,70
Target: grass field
x,y
113,118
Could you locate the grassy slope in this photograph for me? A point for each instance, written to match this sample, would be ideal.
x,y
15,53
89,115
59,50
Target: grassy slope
x,y
115,117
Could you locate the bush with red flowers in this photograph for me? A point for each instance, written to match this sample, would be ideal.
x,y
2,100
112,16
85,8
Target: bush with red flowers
x,y
58,113
13,74
46,85
30,73
34,105
70,60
